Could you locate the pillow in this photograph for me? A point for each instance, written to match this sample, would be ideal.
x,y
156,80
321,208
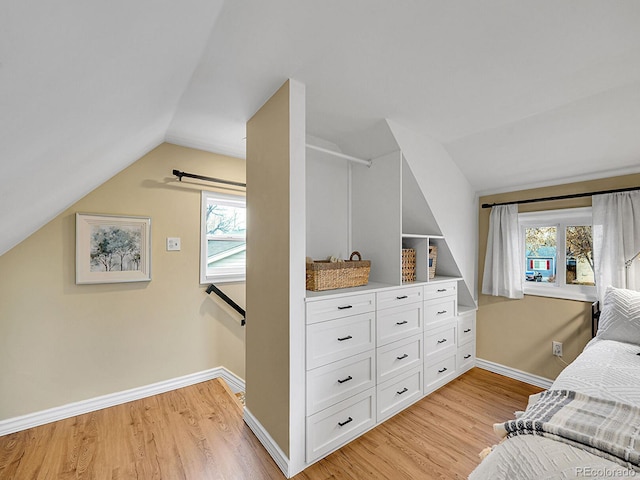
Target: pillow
x,y
620,316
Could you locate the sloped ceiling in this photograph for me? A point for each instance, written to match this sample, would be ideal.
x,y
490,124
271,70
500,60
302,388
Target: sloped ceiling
x,y
86,88
519,93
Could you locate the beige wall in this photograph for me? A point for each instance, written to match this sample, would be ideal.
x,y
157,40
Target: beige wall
x,y
518,333
267,394
61,342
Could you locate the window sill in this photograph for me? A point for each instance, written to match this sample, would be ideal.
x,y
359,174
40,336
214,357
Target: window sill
x,y
563,293
222,280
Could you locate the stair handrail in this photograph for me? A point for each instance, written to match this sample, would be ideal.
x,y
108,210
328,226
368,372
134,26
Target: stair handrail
x,y
212,288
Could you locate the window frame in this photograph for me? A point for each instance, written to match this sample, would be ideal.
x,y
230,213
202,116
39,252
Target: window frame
x,y
227,275
561,219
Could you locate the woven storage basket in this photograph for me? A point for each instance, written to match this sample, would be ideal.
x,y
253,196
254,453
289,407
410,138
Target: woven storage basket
x,y
433,255
325,275
408,264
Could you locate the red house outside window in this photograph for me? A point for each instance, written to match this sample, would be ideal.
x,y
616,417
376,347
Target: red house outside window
x,y
539,264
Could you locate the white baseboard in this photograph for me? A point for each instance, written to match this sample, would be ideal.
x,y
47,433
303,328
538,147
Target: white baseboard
x,y
269,443
514,373
35,419
235,383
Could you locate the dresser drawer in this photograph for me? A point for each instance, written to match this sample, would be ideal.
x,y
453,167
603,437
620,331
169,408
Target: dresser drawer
x,y
398,322
399,296
322,310
337,339
398,393
439,372
437,311
399,356
336,425
340,380
440,289
466,356
439,340
466,328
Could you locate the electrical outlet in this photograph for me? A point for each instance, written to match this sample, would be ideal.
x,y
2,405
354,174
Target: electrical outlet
x,y
557,348
173,244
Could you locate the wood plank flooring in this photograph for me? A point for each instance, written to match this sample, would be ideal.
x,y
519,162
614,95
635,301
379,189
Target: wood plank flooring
x,y
198,433
195,432
439,437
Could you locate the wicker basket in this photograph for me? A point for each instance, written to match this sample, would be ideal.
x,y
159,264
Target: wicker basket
x,y
325,275
408,264
433,255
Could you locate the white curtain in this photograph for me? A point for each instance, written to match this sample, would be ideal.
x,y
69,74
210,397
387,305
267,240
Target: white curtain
x,y
616,238
504,261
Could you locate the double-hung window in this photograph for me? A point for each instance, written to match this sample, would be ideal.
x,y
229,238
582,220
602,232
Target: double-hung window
x,y
223,243
558,253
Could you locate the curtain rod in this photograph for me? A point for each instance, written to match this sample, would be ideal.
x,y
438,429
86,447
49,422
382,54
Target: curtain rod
x,y
180,174
561,197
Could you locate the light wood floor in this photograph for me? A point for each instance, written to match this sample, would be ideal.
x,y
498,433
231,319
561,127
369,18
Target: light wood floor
x,y
197,433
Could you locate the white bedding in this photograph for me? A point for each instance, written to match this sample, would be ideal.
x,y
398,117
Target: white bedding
x,y
605,369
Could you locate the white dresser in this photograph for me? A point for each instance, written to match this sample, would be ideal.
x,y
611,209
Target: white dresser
x,y
373,353
341,371
399,326
440,334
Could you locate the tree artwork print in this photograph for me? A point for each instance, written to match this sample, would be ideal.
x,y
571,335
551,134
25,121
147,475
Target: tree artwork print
x,y
115,248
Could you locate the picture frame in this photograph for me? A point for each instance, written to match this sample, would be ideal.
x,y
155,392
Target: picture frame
x,y
112,248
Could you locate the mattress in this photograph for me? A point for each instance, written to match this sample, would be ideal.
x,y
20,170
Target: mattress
x,y
605,369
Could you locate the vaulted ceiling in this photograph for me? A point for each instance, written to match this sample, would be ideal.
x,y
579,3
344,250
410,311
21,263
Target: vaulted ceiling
x,y
519,93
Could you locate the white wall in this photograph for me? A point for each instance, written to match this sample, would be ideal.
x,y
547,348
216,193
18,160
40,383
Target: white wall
x,y
327,193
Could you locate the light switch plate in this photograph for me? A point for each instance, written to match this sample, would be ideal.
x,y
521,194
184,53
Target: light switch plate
x,y
173,244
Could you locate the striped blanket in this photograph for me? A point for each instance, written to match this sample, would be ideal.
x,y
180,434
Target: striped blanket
x,y
603,427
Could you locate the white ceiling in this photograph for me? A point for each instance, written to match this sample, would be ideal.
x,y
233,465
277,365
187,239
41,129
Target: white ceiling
x,y
520,93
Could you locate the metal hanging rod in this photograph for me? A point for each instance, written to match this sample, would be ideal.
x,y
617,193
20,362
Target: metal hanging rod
x,y
180,174
561,197
213,289
341,155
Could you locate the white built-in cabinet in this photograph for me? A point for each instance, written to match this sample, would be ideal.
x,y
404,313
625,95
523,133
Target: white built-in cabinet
x,y
372,351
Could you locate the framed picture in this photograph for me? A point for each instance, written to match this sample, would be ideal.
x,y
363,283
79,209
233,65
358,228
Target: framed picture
x,y
112,249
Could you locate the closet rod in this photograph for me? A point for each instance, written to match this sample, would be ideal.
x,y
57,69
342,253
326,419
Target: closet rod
x,y
180,174
341,155
561,197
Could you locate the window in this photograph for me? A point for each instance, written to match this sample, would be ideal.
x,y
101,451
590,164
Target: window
x,y
223,244
558,253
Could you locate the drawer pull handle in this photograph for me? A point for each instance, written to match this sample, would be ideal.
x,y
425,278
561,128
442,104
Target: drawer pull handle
x,y
467,330
467,356
441,312
401,297
342,339
349,420
442,370
344,307
442,341
403,356
402,322
440,290
346,379
404,390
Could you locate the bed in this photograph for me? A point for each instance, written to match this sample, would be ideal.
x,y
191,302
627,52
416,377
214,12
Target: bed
x,y
587,425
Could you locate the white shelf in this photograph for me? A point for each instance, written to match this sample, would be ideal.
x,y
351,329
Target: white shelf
x,y
466,308
419,235
371,287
